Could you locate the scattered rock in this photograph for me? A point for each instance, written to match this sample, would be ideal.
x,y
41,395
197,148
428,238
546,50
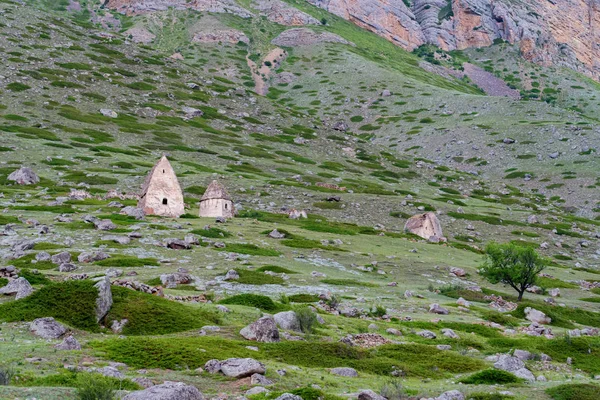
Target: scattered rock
x,y
241,367
345,371
104,300
263,330
61,258
437,309
47,328
425,225
536,316
287,320
451,395
69,343
19,287
369,395
427,334
167,391
24,176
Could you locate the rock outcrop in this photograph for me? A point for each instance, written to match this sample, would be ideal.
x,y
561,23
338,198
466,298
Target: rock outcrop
x,y
19,287
47,328
24,176
167,391
560,32
263,330
425,225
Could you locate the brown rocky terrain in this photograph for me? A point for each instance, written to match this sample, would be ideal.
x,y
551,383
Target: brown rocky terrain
x,y
559,32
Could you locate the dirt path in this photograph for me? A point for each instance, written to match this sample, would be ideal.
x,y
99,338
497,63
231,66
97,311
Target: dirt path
x,y
262,74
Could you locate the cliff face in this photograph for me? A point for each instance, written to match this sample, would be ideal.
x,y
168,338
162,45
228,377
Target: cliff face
x,y
560,32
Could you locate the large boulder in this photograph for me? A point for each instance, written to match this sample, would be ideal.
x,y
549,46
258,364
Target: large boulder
x,y
104,300
47,328
104,225
19,286
61,258
263,330
514,365
435,308
369,395
68,343
345,371
451,395
536,316
425,225
242,367
287,320
24,176
167,391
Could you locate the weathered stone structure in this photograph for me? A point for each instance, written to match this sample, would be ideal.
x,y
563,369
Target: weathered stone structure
x,y
425,225
161,193
216,202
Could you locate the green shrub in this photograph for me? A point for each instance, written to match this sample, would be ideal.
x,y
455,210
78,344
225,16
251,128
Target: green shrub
x,y
347,282
70,379
72,302
307,319
34,279
490,377
250,277
251,300
303,298
251,249
127,261
17,87
95,387
152,315
6,375
580,391
214,233
3,282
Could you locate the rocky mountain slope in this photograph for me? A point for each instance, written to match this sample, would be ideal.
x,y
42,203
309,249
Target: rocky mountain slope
x,y
560,32
296,111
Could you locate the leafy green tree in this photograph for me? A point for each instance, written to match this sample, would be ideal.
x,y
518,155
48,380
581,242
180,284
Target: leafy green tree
x,y
512,265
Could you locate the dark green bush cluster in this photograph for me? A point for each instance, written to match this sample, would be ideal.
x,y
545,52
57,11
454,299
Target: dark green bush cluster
x,y
490,377
251,300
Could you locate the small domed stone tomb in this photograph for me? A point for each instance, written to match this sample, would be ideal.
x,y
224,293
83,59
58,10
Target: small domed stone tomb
x,y
216,202
161,193
425,225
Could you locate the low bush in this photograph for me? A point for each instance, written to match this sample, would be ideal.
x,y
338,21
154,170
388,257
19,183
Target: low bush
x,y
251,249
250,277
303,298
214,233
307,319
580,391
152,315
251,300
95,387
347,282
490,377
3,282
72,302
71,378
127,261
6,375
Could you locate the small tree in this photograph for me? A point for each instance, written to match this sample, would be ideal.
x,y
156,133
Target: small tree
x,y
513,265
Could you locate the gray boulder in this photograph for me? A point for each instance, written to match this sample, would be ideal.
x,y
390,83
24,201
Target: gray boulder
x,y
450,333
178,244
43,256
242,367
369,395
135,212
427,334
167,391
451,395
87,257
24,176
117,239
105,225
345,371
515,365
67,267
289,396
437,309
69,343
232,275
47,328
20,287
287,320
104,300
212,366
275,234
61,258
263,330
